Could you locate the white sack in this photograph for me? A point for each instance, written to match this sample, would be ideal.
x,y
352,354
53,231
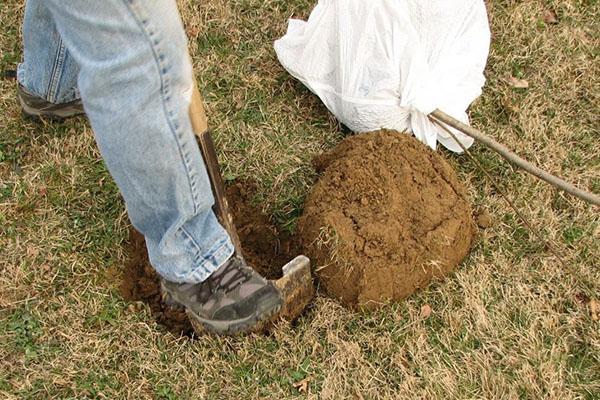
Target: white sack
x,y
388,63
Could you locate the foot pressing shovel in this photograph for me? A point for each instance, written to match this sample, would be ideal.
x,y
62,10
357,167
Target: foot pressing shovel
x,y
296,285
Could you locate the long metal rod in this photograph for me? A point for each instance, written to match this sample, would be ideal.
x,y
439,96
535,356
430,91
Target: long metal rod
x,y
512,205
511,157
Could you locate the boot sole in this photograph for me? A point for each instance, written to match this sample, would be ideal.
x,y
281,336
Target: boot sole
x,y
253,323
33,114
51,117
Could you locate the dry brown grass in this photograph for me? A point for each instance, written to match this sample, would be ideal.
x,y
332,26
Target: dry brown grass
x,y
511,323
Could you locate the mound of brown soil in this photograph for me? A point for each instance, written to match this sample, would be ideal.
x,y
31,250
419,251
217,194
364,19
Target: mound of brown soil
x,y
386,216
265,248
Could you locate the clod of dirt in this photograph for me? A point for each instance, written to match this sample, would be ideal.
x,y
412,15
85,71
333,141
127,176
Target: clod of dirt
x,y
265,248
386,217
484,220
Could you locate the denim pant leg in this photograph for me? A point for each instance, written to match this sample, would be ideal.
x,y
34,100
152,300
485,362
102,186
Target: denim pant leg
x,y
48,70
135,81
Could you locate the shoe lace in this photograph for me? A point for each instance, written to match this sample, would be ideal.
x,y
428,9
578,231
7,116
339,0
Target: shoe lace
x,y
226,280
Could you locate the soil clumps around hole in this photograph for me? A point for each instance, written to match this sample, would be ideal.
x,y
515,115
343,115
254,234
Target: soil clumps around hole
x,y
265,248
140,283
386,216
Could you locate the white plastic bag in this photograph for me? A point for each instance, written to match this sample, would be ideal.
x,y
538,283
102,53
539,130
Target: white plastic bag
x,y
388,63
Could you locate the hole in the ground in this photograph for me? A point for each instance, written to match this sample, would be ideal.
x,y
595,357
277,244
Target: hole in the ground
x,y
265,247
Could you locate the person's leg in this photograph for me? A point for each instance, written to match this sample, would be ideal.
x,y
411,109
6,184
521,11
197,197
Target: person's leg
x,y
135,78
48,71
136,83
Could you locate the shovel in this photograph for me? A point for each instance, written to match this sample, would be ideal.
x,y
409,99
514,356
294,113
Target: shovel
x,y
296,285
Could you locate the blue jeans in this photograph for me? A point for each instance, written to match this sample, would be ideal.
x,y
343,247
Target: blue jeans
x,y
129,63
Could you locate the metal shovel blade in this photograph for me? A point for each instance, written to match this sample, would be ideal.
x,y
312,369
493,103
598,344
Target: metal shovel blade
x,y
296,286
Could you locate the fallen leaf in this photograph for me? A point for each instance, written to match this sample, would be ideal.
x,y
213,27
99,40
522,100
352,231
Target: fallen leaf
x,y
302,385
582,298
550,17
32,251
595,309
425,311
509,106
518,83
193,31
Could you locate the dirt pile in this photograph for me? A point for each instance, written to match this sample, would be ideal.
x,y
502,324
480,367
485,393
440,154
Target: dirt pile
x,y
386,217
265,248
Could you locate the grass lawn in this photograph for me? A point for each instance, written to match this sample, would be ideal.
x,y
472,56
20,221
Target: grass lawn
x,y
513,322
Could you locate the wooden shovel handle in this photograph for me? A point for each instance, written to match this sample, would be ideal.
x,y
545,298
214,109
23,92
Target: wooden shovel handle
x,y
207,148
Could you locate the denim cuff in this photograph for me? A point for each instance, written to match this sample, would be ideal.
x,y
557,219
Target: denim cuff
x,y
208,263
68,96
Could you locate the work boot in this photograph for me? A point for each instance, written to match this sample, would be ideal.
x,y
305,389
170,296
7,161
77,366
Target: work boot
x,y
233,299
35,107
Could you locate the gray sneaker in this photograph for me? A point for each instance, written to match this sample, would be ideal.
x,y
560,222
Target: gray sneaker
x,y
232,300
36,107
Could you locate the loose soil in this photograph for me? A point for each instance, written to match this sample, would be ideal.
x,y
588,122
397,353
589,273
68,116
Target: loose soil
x,y
265,248
386,217
140,283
